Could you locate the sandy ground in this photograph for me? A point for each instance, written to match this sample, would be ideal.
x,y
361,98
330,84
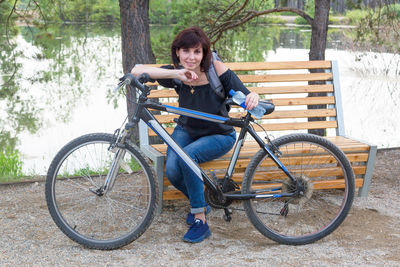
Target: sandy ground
x,y
370,235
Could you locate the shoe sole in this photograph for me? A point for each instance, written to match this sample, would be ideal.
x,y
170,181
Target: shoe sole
x,y
198,240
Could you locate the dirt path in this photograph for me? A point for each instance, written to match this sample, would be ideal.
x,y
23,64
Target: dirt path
x,y
370,236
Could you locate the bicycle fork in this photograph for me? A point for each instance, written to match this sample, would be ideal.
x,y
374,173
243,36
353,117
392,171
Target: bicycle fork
x,y
117,162
112,173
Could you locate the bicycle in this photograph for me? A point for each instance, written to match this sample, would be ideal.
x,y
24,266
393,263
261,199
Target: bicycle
x,y
101,190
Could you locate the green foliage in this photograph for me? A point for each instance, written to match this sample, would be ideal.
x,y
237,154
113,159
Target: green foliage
x,y
134,165
378,30
300,21
80,11
10,164
18,111
271,20
161,38
355,16
106,10
163,12
392,11
87,172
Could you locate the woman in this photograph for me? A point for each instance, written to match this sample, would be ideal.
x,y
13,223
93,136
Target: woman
x,y
201,140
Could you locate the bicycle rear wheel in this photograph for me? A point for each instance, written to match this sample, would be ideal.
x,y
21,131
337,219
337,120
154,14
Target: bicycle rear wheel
x,y
98,221
327,176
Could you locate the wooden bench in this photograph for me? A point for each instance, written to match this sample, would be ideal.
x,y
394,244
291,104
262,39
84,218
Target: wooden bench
x,y
287,85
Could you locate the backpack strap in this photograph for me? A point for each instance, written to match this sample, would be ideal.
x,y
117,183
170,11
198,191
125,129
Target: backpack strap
x,y
213,78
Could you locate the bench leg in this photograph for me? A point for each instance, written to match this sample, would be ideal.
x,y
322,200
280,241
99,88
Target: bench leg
x,y
159,169
363,191
158,160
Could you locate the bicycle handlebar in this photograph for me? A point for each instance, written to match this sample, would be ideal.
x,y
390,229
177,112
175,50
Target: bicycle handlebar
x,y
138,82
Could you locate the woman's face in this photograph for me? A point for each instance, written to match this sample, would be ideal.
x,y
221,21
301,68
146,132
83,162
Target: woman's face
x,y
190,58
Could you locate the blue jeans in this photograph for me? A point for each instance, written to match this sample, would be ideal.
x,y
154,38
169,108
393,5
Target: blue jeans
x,y
201,150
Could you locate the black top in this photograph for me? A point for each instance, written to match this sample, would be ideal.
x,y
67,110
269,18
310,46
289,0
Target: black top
x,y
206,100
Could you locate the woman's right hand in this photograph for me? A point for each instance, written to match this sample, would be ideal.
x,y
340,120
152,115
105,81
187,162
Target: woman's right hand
x,y
187,75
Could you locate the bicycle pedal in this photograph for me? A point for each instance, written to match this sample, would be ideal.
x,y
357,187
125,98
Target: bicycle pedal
x,y
227,216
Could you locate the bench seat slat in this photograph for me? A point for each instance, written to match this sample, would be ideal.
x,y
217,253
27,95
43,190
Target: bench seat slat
x,y
316,100
248,66
281,126
175,194
270,65
315,88
238,177
280,114
306,77
243,162
251,147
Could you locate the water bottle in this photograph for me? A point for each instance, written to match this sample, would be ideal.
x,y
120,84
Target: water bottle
x,y
239,98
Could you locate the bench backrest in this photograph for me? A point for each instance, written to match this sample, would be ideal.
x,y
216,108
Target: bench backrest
x,y
287,85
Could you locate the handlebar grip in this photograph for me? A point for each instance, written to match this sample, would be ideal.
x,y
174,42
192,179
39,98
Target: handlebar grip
x,y
144,78
132,80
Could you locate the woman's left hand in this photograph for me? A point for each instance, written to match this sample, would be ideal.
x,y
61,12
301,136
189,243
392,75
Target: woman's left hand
x,y
251,100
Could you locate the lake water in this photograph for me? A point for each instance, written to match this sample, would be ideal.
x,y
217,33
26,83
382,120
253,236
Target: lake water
x,y
71,89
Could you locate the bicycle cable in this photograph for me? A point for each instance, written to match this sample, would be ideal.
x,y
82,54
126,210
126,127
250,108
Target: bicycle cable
x,y
275,149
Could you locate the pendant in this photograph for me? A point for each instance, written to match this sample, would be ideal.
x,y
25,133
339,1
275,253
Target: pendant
x,y
192,90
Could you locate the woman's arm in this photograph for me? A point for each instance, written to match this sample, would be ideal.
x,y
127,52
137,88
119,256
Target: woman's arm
x,y
251,98
161,73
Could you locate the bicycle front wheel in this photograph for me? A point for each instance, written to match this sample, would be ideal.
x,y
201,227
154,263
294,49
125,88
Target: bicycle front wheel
x,y
324,172
100,221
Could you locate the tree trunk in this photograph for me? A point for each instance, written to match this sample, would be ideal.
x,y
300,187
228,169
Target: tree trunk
x,y
317,49
135,38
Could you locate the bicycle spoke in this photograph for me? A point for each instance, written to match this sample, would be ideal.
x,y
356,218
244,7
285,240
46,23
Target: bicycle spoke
x,y
315,163
89,217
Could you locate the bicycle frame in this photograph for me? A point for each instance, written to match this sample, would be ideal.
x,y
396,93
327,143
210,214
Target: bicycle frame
x,y
142,113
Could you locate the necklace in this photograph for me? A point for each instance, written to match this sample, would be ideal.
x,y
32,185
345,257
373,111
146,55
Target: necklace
x,y
192,89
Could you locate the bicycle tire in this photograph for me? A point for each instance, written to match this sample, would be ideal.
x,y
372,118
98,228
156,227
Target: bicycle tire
x,y
303,220
100,222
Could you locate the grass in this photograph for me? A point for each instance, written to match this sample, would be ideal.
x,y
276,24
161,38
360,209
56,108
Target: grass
x,y
11,168
88,171
10,165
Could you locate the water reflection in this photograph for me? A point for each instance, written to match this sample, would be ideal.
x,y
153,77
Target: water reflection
x,y
18,111
372,107
61,88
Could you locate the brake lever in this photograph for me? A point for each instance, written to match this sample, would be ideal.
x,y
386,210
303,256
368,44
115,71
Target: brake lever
x,y
120,84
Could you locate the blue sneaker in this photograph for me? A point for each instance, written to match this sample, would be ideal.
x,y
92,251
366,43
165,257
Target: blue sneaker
x,y
197,232
190,216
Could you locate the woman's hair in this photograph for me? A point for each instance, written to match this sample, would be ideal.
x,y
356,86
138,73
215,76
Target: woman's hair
x,y
189,38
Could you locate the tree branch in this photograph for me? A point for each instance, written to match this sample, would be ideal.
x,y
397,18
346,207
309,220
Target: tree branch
x,y
229,24
238,11
40,11
223,13
8,21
